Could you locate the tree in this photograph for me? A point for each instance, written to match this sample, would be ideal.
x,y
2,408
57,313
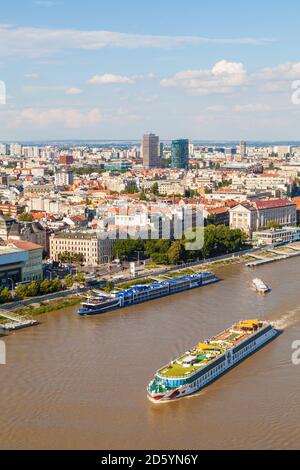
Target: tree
x,y
209,241
125,249
69,280
225,183
219,240
5,295
33,289
45,286
109,286
273,224
132,188
143,196
80,278
56,285
155,189
190,193
26,217
156,246
21,291
65,257
160,258
68,257
176,252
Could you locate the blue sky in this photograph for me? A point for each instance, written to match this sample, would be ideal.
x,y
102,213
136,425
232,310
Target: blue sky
x,y
118,69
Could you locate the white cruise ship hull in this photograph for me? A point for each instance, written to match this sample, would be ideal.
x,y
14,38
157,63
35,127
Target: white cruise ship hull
x,y
230,361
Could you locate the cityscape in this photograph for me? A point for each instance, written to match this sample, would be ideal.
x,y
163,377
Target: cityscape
x,y
167,219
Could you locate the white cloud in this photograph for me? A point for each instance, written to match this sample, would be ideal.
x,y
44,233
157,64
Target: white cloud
x,y
252,108
224,77
111,79
42,88
44,118
37,42
216,108
277,79
288,71
121,115
33,76
147,99
73,91
47,3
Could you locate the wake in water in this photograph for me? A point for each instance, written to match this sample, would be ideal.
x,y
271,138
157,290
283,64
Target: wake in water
x,y
288,319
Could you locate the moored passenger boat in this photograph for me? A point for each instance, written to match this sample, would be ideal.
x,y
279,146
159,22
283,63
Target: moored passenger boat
x,y
208,360
144,292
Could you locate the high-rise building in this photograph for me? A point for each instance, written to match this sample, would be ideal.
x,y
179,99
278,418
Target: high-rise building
x,y
151,151
180,153
66,159
15,150
64,178
243,148
31,152
3,149
162,147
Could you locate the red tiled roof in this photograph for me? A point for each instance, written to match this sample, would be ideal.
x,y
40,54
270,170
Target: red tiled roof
x,y
296,200
24,245
38,215
218,210
273,203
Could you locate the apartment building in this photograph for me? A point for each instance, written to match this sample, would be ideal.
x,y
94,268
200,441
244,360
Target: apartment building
x,y
94,249
32,232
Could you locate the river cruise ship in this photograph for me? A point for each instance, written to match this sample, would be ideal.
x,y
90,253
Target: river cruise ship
x,y
198,367
144,292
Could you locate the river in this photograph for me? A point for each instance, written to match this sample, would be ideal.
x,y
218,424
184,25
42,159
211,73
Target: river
x,y
80,383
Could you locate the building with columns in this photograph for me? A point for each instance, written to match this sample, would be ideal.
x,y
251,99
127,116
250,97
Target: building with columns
x,y
253,216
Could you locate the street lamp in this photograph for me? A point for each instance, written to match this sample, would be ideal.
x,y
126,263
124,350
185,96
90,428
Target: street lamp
x,y
12,285
50,272
138,252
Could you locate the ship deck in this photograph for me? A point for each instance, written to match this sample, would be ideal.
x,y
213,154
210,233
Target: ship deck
x,y
203,354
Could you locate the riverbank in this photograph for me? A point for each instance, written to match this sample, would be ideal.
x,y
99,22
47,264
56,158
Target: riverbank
x,y
48,306
252,257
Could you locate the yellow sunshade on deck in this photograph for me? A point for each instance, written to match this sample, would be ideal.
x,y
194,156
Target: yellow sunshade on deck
x,y
204,346
248,324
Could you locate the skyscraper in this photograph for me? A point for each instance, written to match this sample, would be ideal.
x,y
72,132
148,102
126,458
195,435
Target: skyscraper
x,y
243,149
151,151
180,153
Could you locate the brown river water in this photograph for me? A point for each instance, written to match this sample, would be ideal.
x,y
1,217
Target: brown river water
x,y
80,383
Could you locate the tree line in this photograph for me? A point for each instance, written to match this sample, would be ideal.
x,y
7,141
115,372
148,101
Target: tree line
x,y
218,240
33,289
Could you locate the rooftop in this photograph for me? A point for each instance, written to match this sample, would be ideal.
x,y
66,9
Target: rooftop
x,y
76,234
273,203
24,245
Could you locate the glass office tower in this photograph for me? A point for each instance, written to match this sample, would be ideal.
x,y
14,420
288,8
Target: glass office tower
x,y
180,153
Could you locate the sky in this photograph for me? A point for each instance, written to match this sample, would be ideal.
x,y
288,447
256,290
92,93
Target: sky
x,y
117,69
